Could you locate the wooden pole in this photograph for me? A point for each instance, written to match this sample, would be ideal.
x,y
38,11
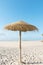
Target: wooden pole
x,y
20,45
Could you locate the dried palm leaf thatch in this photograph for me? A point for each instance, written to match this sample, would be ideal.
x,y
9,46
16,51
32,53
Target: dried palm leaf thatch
x,y
21,26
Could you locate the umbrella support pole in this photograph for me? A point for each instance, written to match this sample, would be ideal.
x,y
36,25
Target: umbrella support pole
x,y
20,46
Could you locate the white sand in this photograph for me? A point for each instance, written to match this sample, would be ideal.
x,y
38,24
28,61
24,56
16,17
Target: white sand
x,y
32,52
16,43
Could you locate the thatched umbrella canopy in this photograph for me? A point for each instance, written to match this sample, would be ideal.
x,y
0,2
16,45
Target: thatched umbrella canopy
x,y
21,26
42,34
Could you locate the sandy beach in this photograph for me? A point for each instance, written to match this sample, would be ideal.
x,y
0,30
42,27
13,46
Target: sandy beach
x,y
32,52
23,43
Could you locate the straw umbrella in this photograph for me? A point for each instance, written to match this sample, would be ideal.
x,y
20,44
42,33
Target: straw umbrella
x,y
20,26
42,35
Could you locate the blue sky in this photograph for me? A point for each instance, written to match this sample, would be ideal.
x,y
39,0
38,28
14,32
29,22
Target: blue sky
x,y
30,11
